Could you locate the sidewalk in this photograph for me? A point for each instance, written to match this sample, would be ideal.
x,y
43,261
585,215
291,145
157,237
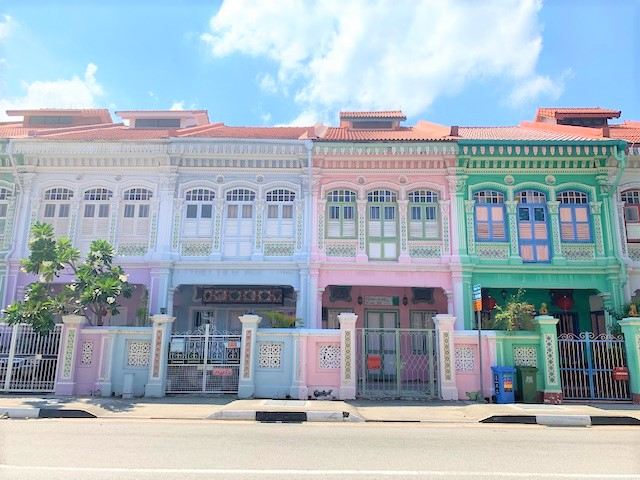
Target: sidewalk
x,y
230,408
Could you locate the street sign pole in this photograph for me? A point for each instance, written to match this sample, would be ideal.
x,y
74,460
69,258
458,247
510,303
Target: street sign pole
x,y
477,307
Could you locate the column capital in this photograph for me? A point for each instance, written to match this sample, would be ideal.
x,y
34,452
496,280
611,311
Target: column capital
x,y
347,320
161,318
250,319
444,320
73,319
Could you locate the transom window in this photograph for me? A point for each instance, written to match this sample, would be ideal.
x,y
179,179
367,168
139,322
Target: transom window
x,y
488,196
200,195
574,216
423,214
531,196
631,198
381,196
341,214
5,195
241,195
58,194
490,218
137,194
98,194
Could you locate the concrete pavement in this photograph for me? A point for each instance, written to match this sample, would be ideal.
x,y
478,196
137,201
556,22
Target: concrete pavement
x,y
230,408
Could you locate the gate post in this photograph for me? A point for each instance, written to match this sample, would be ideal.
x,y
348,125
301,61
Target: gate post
x,y
65,381
446,356
246,386
631,330
157,384
347,355
552,388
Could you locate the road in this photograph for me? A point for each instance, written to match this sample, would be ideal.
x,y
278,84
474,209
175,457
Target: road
x,y
161,449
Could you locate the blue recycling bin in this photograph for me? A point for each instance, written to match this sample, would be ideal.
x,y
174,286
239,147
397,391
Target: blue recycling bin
x,y
503,384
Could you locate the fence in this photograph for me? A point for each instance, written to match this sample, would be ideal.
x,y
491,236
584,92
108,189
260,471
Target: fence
x,y
28,360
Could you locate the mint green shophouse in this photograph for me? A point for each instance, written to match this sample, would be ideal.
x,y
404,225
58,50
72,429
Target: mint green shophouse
x,y
535,212
538,216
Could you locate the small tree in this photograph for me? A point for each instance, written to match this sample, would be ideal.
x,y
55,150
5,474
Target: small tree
x,y
516,314
281,320
93,292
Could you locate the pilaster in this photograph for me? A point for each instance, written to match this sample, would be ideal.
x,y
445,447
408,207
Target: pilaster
x,y
65,381
348,355
157,384
631,330
246,386
446,356
551,387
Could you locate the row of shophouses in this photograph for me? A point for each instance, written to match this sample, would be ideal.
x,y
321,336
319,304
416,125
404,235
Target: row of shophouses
x,y
384,224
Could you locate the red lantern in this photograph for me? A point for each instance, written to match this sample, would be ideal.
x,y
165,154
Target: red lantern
x,y
489,303
565,303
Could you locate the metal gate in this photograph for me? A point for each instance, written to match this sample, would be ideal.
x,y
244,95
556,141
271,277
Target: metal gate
x,y
28,360
397,362
204,361
589,367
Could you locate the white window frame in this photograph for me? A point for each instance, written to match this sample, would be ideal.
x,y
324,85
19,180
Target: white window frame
x,y
280,213
200,201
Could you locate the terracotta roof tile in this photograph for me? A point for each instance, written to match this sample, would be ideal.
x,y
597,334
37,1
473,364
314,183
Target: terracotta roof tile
x,y
517,133
628,131
223,131
380,114
571,112
399,134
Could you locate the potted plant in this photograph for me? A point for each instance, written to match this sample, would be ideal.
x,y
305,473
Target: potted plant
x,y
93,292
281,320
515,314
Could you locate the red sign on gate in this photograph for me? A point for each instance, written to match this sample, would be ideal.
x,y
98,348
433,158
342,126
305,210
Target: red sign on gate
x,y
373,362
222,372
620,373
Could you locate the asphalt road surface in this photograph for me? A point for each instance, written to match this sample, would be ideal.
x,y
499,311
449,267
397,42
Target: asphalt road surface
x,y
160,449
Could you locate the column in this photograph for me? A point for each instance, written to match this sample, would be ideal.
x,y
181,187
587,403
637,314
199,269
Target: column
x,y
404,256
103,383
556,243
161,245
157,384
551,387
258,249
446,356
631,330
65,381
361,247
347,355
246,386
299,387
512,226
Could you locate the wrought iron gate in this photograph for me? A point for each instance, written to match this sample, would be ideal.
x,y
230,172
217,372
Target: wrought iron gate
x,y
204,361
588,366
397,362
28,360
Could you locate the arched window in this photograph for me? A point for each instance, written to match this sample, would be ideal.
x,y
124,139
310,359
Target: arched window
x,y
631,199
423,215
280,213
490,218
382,224
135,215
574,216
95,216
56,209
341,214
198,213
238,232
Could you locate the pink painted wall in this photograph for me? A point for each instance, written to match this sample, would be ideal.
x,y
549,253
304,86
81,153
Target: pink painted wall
x,y
86,375
404,311
321,378
469,380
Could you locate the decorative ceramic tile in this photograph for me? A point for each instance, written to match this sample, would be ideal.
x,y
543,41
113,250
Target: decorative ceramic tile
x,y
270,354
465,359
138,353
525,356
87,353
329,356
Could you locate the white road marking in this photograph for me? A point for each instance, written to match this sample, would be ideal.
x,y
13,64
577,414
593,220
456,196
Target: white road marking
x,y
298,473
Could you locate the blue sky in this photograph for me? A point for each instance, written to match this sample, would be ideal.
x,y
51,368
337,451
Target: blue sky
x,y
268,62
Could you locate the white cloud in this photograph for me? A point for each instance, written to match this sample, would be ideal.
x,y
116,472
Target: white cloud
x,y
75,93
537,86
384,54
6,25
177,105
